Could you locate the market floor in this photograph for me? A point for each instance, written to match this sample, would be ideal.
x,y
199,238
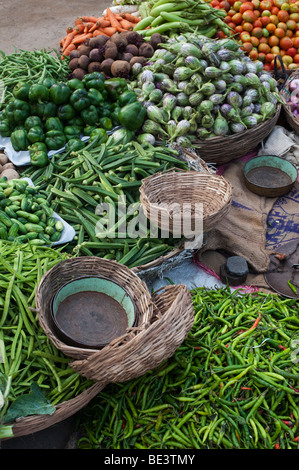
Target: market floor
x,y
33,25
37,24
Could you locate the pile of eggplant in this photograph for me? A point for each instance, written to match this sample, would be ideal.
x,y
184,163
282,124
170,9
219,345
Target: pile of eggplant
x,y
196,88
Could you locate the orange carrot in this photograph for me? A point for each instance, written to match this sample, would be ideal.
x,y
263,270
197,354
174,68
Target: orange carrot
x,y
89,19
79,29
68,39
81,38
109,30
85,30
68,50
101,23
99,32
131,18
127,25
78,21
112,18
69,29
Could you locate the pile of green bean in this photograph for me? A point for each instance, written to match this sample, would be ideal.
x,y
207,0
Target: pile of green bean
x,y
76,183
29,67
232,384
27,355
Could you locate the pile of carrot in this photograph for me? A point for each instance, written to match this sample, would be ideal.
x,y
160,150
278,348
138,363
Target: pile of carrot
x,y
87,27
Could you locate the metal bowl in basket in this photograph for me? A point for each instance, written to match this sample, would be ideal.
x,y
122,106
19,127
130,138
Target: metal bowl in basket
x,y
178,200
90,312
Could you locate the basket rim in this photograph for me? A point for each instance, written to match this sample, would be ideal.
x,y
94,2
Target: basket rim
x,y
241,135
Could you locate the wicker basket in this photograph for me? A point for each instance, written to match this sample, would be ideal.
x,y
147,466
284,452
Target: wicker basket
x,y
154,342
165,194
70,269
66,409
220,150
291,119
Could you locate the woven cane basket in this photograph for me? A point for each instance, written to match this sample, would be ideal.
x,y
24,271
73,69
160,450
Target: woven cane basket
x,y
165,194
154,341
291,119
66,409
220,150
71,269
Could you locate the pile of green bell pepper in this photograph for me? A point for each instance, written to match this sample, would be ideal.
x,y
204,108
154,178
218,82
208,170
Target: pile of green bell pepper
x,y
52,115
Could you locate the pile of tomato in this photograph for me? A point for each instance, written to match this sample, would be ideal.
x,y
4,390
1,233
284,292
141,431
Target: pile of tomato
x,y
265,28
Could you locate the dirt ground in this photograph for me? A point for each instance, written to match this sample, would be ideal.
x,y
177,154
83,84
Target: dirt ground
x,y
34,24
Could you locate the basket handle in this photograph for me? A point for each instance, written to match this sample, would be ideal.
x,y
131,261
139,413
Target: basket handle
x,y
276,74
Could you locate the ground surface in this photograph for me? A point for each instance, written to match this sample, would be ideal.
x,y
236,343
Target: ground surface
x,y
34,24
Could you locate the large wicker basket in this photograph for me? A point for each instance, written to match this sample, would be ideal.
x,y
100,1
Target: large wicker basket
x,y
291,119
155,341
70,269
66,409
220,150
167,199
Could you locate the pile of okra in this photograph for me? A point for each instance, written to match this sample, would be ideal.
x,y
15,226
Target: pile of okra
x,y
232,384
77,182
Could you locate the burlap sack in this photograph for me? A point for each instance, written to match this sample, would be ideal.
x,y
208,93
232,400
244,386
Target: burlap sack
x,y
243,230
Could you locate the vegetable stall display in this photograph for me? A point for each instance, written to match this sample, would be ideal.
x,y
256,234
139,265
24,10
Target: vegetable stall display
x,y
232,384
198,88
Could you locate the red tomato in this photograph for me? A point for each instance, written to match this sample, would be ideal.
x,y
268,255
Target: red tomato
x,y
296,58
246,6
237,5
269,57
266,13
265,48
253,54
256,4
279,32
214,3
292,51
296,42
257,32
291,24
247,47
266,4
257,24
262,56
274,10
247,27
239,29
283,15
245,36
254,41
274,19
268,67
286,43
249,16
264,20
224,5
273,41
275,50
237,18
282,25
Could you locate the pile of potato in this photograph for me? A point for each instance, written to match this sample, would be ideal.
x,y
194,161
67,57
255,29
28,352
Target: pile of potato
x,y
7,169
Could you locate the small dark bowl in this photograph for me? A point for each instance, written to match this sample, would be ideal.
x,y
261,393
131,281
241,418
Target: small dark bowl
x,y
269,175
90,312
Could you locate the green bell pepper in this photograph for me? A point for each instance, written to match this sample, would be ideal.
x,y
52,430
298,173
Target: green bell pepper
x,y
48,82
127,97
53,124
90,115
72,132
36,147
66,112
94,80
95,96
60,93
32,121
5,129
106,123
35,134
105,109
79,100
76,121
21,110
100,135
115,87
114,116
88,129
75,84
132,116
74,145
38,92
39,159
44,109
21,91
19,140
55,140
